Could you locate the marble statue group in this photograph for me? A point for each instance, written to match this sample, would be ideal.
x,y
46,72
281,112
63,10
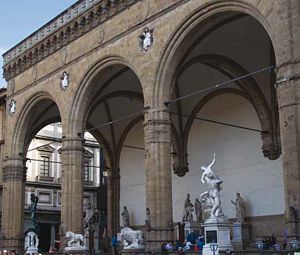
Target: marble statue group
x,y
212,197
209,205
190,209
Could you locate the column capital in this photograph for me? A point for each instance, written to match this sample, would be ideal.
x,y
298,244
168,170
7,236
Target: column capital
x,y
14,169
287,72
72,144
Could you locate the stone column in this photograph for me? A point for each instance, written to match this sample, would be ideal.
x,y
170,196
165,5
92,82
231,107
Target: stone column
x,y
14,175
157,128
113,202
288,92
52,241
72,186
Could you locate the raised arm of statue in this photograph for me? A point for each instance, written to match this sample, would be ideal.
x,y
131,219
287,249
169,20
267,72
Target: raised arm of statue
x,y
213,161
208,173
202,178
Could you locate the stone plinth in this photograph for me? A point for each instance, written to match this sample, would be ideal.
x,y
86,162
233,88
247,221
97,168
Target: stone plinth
x,y
190,227
133,251
76,250
32,250
241,235
217,231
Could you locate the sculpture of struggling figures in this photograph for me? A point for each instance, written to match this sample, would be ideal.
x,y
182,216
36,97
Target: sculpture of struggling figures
x,y
212,196
240,208
198,210
188,209
125,216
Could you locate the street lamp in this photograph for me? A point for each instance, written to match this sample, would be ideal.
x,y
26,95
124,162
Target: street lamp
x,y
213,247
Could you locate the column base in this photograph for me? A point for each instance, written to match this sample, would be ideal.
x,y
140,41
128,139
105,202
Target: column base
x,y
155,238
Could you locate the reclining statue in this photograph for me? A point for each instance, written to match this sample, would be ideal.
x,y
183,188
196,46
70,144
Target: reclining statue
x,y
132,239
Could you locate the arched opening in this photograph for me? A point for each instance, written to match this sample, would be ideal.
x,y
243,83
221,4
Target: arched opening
x,y
210,114
43,218
112,108
44,178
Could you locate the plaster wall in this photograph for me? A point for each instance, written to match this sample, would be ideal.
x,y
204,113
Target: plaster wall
x,y
132,172
239,160
240,163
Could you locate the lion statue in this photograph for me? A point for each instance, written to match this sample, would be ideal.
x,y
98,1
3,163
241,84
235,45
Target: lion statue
x,y
132,239
76,240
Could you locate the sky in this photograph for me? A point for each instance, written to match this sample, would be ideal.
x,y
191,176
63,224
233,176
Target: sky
x,y
20,18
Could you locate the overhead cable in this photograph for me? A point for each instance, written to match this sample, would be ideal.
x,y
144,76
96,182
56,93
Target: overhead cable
x,y
222,84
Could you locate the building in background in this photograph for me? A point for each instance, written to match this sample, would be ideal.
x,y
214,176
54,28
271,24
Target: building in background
x,y
43,164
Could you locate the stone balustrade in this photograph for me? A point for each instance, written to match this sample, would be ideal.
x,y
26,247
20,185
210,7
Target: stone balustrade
x,y
72,23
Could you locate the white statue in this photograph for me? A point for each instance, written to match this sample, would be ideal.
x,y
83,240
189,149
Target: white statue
x,y
31,241
240,207
125,217
76,240
64,80
132,239
188,246
12,107
212,196
188,209
146,39
88,219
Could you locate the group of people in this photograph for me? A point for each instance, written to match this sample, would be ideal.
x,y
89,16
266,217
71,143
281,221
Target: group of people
x,y
269,242
188,245
6,252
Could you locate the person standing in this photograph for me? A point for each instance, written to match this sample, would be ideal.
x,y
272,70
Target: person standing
x,y
114,244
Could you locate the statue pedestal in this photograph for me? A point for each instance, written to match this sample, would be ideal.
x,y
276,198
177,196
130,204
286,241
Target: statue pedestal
x,y
32,250
76,250
133,251
217,231
241,235
190,227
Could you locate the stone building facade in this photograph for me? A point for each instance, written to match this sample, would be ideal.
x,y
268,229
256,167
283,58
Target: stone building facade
x,y
107,66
